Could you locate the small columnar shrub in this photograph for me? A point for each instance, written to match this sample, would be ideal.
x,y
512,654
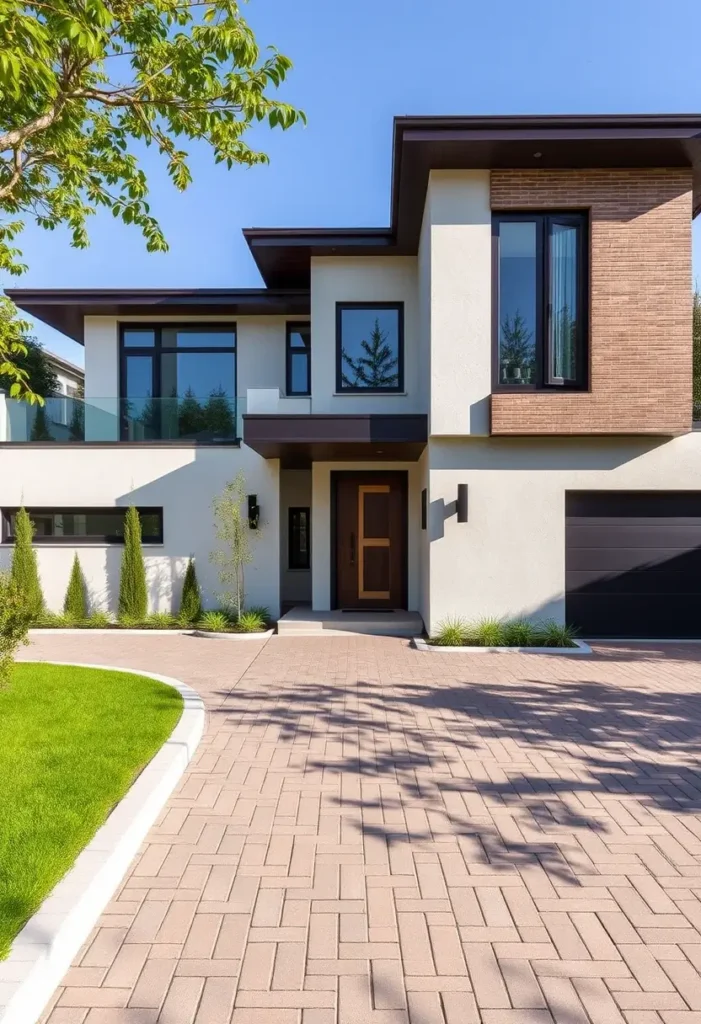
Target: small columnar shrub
x,y
15,620
25,571
133,602
191,601
75,602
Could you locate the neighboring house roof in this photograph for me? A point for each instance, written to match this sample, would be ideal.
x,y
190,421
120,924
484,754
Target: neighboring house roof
x,y
62,365
421,144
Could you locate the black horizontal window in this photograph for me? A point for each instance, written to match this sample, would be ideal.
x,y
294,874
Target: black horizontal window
x,y
540,285
369,346
83,525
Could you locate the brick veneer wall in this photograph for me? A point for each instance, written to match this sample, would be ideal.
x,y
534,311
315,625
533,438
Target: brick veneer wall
x,y
640,302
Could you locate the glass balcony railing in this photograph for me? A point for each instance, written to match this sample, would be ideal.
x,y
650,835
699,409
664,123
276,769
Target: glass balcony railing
x,y
212,419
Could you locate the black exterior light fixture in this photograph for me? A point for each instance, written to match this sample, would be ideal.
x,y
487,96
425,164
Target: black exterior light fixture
x,y
253,511
462,503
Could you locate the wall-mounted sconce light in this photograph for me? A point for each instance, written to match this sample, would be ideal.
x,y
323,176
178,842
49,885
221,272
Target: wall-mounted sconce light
x,y
253,512
424,509
462,503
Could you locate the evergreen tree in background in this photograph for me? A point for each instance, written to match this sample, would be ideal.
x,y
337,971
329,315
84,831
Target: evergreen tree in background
x,y
219,416
191,601
378,368
75,603
25,571
516,350
40,427
190,415
133,602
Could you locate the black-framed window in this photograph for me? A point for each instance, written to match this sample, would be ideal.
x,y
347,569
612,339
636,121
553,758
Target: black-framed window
x,y
298,538
540,300
298,359
83,525
369,347
178,382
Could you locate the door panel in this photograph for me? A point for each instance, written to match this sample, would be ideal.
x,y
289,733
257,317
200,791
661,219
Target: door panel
x,y
370,540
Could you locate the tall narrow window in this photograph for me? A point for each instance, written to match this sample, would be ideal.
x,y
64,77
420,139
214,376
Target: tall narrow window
x,y
298,538
299,359
541,304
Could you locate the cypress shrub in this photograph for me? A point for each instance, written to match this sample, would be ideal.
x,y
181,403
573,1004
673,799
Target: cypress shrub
x,y
133,602
191,601
25,571
75,604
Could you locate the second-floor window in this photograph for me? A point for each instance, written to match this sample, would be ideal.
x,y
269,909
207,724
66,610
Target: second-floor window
x,y
369,347
299,359
178,382
540,300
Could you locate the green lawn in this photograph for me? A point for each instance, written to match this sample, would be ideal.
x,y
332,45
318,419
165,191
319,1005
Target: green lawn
x,y
72,741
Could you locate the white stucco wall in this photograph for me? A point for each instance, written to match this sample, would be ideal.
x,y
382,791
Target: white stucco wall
x,y
362,279
321,526
182,481
455,272
509,558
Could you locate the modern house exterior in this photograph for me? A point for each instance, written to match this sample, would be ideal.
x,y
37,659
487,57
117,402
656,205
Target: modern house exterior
x,y
483,409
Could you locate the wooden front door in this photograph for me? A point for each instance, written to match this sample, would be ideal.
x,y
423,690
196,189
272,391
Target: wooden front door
x,y
370,540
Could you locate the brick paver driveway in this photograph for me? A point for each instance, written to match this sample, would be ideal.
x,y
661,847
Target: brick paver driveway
x,y
370,834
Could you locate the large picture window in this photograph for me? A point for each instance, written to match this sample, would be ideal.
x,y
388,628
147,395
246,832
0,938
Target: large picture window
x,y
83,525
541,302
178,382
369,347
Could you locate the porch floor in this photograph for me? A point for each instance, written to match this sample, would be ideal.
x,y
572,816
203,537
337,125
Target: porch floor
x,y
302,621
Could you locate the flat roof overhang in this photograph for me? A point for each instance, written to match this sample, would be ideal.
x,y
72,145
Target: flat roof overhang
x,y
423,144
65,308
300,440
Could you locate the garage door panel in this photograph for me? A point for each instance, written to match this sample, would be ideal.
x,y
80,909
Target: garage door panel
x,y
633,564
632,533
635,616
651,582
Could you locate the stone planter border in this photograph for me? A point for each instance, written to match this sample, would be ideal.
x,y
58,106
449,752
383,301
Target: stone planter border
x,y
423,645
45,948
73,631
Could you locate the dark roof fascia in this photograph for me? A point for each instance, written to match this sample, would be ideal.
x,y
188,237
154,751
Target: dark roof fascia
x,y
65,308
424,143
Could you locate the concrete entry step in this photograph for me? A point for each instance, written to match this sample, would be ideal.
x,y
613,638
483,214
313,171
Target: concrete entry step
x,y
305,622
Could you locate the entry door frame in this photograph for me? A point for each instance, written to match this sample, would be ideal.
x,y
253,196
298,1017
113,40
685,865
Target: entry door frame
x,y
402,478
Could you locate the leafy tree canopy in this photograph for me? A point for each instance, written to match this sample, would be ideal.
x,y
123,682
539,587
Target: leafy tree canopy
x,y
85,82
40,375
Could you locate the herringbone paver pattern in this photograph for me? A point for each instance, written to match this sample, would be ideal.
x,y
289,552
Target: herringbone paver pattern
x,y
370,834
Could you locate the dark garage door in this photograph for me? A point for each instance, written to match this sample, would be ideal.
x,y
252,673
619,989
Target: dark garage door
x,y
633,563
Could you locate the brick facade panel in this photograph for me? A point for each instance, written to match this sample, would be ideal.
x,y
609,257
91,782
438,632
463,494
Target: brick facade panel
x,y
640,302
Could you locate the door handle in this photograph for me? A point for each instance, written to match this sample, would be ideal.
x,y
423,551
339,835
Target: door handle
x,y
352,549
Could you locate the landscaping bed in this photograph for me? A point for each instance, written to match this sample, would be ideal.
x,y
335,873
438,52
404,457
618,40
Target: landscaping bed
x,y
456,634
256,620
72,742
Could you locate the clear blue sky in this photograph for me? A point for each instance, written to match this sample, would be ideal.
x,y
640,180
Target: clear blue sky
x,y
356,65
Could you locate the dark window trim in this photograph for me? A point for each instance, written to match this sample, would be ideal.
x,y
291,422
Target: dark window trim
x,y
291,328
292,560
158,348
342,389
544,219
8,538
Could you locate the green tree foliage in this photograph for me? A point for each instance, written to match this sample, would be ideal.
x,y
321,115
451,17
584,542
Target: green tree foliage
x,y
40,427
133,601
516,350
191,600
235,537
41,377
13,346
84,86
697,354
219,416
377,368
75,601
15,620
190,415
25,571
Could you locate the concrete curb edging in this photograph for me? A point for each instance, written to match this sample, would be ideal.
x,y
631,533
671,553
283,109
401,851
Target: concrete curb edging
x,y
44,949
208,634
423,645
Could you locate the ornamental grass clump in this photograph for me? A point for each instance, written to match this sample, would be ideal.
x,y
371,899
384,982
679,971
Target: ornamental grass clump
x,y
520,633
555,634
214,622
133,601
452,632
252,621
24,570
488,632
